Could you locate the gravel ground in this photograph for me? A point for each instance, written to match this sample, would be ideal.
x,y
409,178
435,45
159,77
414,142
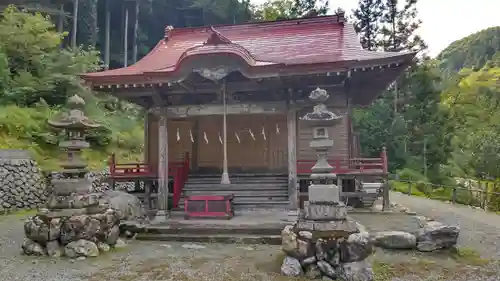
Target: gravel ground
x,y
149,261
479,230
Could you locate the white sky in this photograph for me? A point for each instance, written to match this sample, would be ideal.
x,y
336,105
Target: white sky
x,y
444,21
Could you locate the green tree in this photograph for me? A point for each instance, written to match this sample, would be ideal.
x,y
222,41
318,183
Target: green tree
x,y
38,67
399,24
302,8
274,10
367,19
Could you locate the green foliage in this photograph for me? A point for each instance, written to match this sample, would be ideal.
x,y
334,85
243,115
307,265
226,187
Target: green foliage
x,y
420,121
472,51
274,10
289,9
473,102
35,66
37,77
494,198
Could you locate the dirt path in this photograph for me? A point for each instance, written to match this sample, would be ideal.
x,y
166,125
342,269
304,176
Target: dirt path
x,y
150,261
479,230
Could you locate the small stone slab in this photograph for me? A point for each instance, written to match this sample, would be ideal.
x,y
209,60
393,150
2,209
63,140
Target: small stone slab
x,y
66,187
324,193
62,213
323,229
324,211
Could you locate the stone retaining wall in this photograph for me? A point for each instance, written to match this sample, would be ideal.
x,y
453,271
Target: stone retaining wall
x,y
22,185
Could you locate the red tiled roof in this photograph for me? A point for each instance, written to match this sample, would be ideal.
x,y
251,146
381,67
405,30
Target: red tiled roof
x,y
309,41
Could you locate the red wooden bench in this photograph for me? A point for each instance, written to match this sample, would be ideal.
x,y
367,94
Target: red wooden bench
x,y
209,206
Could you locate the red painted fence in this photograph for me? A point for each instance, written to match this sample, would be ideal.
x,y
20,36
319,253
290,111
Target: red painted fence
x,y
348,166
179,170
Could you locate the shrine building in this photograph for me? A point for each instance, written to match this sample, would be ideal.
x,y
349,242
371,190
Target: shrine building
x,y
225,104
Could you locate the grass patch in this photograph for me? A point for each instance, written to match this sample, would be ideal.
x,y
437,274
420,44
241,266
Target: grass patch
x,y
21,214
468,256
382,271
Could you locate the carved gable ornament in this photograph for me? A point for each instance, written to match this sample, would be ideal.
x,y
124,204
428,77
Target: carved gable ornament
x,y
213,74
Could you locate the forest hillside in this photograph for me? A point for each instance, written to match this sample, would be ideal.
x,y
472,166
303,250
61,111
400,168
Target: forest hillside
x,y
438,123
472,51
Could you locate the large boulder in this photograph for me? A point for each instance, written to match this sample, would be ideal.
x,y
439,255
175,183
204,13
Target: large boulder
x,y
356,271
395,240
435,236
289,241
32,248
40,230
81,248
291,267
128,206
357,247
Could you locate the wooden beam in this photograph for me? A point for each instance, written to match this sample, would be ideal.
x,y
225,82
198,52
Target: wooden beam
x,y
218,109
208,88
292,158
163,163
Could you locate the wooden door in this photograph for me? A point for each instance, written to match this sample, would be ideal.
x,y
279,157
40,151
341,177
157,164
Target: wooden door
x,y
210,154
278,143
250,153
179,141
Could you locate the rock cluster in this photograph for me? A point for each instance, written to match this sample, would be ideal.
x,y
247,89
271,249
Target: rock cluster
x,y
91,225
336,258
21,185
430,237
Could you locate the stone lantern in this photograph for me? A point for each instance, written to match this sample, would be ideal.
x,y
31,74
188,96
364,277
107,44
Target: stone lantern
x,y
75,124
324,203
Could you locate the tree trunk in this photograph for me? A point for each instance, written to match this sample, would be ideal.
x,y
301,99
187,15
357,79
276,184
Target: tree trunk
x,y
125,39
107,45
75,23
136,29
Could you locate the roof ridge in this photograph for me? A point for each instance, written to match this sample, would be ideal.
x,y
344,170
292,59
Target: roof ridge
x,y
337,19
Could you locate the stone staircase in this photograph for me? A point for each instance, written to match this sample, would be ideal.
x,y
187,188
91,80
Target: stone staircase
x,y
250,191
371,190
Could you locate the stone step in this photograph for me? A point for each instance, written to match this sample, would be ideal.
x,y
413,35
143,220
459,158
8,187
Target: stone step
x,y
246,186
203,229
253,203
217,238
238,180
239,193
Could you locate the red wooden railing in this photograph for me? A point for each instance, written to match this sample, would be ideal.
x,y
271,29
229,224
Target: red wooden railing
x,y
346,166
179,170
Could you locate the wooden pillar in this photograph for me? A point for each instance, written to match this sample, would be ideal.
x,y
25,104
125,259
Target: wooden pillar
x,y
136,29
125,38
107,32
75,23
163,162
146,138
225,174
292,158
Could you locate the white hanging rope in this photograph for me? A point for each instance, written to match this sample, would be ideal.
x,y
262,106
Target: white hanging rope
x,y
205,137
251,134
220,139
191,136
263,133
237,137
